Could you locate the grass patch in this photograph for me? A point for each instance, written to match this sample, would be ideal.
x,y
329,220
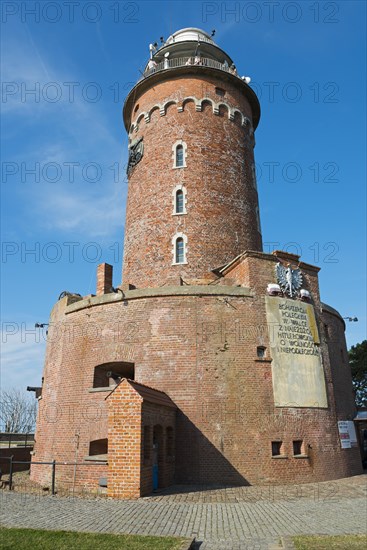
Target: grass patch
x,y
32,539
324,542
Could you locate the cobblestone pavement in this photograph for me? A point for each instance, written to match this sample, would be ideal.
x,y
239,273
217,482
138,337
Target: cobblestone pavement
x,y
228,518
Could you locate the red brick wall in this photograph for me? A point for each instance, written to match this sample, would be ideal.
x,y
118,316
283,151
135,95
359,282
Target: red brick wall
x,y
124,442
317,428
130,474
201,351
221,198
341,375
66,407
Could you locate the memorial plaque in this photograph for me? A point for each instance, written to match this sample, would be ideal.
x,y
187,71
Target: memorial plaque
x,y
298,374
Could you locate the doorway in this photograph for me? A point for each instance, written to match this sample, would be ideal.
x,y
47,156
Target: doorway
x,y
157,457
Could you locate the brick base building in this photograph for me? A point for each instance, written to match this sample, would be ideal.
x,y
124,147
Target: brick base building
x,y
209,348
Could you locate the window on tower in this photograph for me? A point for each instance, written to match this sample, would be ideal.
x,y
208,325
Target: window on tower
x,y
220,92
179,201
179,153
179,156
179,249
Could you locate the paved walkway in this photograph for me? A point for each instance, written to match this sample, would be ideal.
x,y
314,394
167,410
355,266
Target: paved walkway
x,y
231,518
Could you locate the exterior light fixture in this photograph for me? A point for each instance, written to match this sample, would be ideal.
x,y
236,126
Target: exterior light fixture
x,y
305,295
273,289
114,375
67,293
117,290
36,389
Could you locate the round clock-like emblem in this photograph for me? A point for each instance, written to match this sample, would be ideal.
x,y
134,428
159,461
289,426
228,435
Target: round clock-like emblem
x,y
136,151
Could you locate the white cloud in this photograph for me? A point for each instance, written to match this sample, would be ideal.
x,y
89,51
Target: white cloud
x,y
22,356
94,215
75,131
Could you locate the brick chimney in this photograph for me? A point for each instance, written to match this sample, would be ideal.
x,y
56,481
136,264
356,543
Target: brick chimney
x,y
104,278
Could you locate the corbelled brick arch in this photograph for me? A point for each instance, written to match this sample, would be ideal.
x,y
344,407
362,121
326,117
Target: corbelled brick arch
x,y
162,107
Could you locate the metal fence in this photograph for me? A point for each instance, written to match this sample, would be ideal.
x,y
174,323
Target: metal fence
x,y
186,62
66,488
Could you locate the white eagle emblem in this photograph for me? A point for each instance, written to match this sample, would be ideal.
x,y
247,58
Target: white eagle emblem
x,y
290,280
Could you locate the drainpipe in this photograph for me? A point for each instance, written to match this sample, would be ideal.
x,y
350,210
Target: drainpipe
x,y
77,436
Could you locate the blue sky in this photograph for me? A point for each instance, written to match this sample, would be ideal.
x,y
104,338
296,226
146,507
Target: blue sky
x,y
307,64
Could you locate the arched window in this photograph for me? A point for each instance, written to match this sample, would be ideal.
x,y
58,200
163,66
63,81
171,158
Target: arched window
x,y
179,202
179,153
180,251
179,198
179,156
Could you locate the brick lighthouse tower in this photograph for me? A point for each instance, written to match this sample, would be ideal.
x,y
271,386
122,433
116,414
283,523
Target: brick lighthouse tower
x,y
213,362
192,203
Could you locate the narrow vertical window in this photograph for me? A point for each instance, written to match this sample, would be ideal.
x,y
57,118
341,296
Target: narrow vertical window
x,y
179,198
179,202
180,251
179,156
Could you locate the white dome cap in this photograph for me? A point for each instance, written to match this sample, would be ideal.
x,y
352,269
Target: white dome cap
x,y
189,34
